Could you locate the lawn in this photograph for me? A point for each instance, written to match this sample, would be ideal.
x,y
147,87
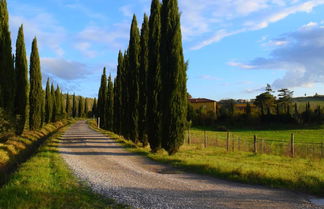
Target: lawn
x,y
315,135
45,181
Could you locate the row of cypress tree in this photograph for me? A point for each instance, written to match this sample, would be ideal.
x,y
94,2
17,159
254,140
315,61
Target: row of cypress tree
x,y
23,98
149,101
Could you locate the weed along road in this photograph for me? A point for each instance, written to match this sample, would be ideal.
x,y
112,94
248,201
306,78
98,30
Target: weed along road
x,y
141,183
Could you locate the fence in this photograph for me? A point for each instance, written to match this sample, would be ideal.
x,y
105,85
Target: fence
x,y
231,143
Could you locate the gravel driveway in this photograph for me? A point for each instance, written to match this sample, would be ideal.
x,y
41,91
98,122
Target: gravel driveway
x,y
141,183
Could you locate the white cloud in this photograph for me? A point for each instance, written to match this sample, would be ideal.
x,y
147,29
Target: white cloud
x,y
209,78
240,65
64,69
224,16
50,34
126,10
85,48
89,13
301,59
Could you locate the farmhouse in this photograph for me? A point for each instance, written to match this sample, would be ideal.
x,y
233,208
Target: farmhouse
x,y
208,104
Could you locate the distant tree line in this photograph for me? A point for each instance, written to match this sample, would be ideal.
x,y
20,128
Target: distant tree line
x,y
23,102
147,102
265,109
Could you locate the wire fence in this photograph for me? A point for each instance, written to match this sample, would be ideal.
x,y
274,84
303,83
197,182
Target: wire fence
x,y
232,143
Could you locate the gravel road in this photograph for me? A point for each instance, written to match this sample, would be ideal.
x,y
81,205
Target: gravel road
x,y
141,183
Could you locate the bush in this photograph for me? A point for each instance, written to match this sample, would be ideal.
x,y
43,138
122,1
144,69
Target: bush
x,y
6,126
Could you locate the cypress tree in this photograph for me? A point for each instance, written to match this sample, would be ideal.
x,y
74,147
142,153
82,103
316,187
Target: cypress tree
x,y
81,108
144,60
58,103
7,72
118,95
94,108
154,116
102,100
110,104
21,67
125,97
35,95
86,108
54,106
133,53
174,79
43,107
74,107
48,102
68,105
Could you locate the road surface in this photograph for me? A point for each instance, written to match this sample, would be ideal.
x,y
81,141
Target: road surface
x,y
141,183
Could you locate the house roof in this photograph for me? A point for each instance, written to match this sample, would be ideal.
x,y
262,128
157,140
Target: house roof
x,y
201,100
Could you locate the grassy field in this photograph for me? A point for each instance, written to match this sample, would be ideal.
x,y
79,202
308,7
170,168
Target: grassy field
x,y
45,181
315,135
274,171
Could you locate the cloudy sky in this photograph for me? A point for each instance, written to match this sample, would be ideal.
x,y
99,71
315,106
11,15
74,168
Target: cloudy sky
x,y
234,47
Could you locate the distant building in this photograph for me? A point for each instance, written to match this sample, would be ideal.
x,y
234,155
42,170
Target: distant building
x,y
207,104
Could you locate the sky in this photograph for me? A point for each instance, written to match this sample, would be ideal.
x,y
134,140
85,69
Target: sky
x,y
234,47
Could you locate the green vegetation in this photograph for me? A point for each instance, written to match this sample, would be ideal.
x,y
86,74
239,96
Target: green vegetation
x,y
143,87
16,149
273,171
154,117
133,80
311,135
35,95
151,73
45,181
174,78
7,72
21,69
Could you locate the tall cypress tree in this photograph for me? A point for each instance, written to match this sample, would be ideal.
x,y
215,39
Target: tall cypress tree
x,y
54,106
48,102
125,97
74,107
144,65
94,108
35,95
133,53
86,108
58,103
7,72
118,95
102,100
173,79
154,117
68,105
110,104
81,107
21,67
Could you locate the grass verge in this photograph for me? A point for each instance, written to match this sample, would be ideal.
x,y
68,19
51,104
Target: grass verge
x,y
297,174
45,181
18,149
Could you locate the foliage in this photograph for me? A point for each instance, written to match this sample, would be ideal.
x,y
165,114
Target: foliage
x,y
154,95
36,94
21,94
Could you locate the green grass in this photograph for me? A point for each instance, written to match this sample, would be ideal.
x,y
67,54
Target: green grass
x,y
301,135
45,181
274,171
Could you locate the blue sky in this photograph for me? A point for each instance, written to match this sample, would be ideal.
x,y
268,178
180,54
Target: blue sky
x,y
234,47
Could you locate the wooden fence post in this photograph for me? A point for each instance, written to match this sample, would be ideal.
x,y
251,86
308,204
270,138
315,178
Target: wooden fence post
x,y
189,142
255,144
292,145
262,144
98,122
227,141
205,140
